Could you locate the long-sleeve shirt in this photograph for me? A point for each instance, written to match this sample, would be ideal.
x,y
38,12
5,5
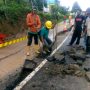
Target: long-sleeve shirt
x,y
33,22
88,26
44,32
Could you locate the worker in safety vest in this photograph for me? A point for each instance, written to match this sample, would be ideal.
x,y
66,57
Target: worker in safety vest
x,y
34,24
44,32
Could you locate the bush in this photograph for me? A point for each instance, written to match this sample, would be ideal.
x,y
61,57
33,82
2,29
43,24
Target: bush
x,y
13,17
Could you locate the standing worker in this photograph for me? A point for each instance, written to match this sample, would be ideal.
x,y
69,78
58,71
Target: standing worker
x,y
88,32
77,29
34,24
44,32
65,19
84,26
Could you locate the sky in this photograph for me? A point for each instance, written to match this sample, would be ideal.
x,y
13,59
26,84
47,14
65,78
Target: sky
x,y
84,4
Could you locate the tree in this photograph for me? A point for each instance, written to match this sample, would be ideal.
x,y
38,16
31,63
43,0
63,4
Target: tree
x,y
63,10
75,7
58,11
14,1
38,4
4,1
57,2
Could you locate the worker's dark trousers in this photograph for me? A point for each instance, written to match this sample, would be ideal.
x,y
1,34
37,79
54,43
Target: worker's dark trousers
x,y
88,44
30,38
47,44
76,35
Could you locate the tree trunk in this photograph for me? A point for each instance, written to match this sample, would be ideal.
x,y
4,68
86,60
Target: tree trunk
x,y
4,1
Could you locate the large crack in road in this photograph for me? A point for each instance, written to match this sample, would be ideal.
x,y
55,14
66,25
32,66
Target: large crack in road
x,y
25,72
51,77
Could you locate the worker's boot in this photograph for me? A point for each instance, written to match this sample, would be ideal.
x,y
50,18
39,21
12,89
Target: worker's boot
x,y
37,49
47,50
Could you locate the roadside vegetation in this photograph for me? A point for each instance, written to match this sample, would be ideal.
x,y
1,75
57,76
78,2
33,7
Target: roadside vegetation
x,y
13,14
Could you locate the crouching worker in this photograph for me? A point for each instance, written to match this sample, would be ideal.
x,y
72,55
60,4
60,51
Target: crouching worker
x,y
46,42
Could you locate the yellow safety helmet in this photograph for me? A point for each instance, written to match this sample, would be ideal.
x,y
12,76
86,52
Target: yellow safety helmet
x,y
48,24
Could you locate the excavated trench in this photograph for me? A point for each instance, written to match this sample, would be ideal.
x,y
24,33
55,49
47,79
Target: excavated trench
x,y
69,62
66,61
27,68
21,76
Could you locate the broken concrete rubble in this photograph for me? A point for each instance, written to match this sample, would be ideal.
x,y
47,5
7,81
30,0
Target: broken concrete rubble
x,y
71,51
72,61
80,73
56,60
71,68
29,64
80,62
78,57
88,76
87,69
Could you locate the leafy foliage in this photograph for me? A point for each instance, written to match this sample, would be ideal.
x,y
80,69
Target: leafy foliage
x,y
58,11
13,14
38,4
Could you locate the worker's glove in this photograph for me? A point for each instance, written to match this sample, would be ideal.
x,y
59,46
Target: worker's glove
x,y
38,29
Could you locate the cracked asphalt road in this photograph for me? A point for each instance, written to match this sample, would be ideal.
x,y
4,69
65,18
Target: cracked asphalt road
x,y
46,80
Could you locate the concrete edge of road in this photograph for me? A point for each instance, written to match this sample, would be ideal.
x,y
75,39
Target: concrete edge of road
x,y
20,86
13,41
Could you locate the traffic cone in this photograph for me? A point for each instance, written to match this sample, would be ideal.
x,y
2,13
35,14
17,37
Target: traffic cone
x,y
1,41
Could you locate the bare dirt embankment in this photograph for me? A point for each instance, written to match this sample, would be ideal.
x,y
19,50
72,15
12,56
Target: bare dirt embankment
x,y
13,30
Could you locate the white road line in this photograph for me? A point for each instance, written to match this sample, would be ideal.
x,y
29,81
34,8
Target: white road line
x,y
38,68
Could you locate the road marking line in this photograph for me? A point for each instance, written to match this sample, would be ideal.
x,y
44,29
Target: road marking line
x,y
39,67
